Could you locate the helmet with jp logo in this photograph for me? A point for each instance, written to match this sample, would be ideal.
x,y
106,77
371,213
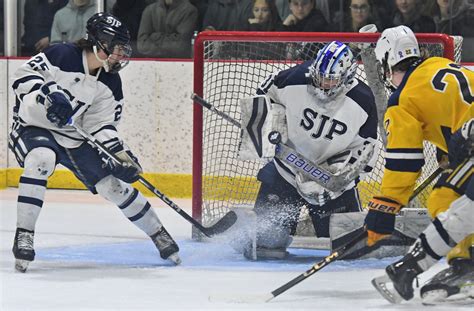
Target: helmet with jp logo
x,y
332,70
109,34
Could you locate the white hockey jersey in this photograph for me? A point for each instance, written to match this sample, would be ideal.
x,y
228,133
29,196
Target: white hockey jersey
x,y
96,99
320,132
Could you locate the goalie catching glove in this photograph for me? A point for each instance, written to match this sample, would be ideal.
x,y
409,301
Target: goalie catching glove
x,y
129,169
380,220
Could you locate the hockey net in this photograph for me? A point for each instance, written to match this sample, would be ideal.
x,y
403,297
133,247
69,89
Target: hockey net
x,y
229,66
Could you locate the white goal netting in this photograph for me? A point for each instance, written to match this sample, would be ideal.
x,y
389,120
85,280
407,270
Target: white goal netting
x,y
230,66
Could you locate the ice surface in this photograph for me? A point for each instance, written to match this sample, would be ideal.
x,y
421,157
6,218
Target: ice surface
x,y
90,257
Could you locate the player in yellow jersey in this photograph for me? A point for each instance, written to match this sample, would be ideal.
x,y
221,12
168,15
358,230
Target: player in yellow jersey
x,y
432,100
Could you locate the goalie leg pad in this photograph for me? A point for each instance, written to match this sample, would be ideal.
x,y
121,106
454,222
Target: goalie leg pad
x,y
320,215
277,207
131,202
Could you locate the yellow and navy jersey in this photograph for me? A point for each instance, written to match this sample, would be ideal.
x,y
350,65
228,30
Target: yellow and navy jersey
x,y
433,100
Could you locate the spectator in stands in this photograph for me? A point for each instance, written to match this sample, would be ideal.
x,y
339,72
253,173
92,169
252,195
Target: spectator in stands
x,y
409,13
38,20
166,29
360,14
130,13
227,14
283,7
69,24
201,6
304,17
383,10
455,17
265,16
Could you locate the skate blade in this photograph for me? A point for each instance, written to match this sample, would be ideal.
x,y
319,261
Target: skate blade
x,y
440,297
174,258
380,284
21,265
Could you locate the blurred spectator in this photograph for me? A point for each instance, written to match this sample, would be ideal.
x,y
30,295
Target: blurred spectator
x,y
265,16
38,19
409,13
323,5
69,24
283,7
227,14
383,10
360,14
166,29
304,17
455,17
130,13
201,6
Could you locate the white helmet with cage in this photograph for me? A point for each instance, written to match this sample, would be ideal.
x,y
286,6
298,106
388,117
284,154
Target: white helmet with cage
x,y
395,45
331,72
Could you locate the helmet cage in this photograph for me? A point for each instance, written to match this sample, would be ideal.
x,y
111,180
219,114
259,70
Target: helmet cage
x,y
332,71
110,35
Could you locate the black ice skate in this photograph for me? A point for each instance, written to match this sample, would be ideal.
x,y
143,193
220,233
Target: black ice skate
x,y
453,284
401,274
23,249
166,245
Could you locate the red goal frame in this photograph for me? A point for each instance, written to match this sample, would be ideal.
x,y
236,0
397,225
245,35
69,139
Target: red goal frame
x,y
229,36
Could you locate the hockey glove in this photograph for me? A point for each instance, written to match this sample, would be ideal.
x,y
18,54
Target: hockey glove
x,y
314,193
380,220
129,170
461,143
59,109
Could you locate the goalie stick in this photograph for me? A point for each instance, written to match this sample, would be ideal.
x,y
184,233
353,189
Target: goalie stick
x,y
220,226
317,173
360,233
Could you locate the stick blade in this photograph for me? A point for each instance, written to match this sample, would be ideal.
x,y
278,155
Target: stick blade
x,y
222,224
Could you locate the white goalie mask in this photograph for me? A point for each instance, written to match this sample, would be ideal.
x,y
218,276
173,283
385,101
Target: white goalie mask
x,y
395,45
332,71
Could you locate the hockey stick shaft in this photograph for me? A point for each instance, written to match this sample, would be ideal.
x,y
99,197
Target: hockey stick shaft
x,y
201,101
361,235
223,224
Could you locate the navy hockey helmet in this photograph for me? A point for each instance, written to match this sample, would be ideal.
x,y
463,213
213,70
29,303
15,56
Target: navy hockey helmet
x,y
332,70
112,36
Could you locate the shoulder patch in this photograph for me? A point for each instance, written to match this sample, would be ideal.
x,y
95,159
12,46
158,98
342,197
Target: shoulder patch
x,y
293,76
363,96
67,57
113,82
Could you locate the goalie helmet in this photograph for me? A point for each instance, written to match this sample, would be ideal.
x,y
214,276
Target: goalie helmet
x,y
395,45
112,36
332,71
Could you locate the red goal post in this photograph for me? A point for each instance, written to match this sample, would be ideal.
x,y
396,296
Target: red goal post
x,y
229,66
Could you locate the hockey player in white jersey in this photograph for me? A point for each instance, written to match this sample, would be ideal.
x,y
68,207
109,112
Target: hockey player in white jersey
x,y
77,82
324,117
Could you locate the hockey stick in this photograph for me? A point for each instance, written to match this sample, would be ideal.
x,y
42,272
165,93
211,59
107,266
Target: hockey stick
x,y
201,101
319,174
220,226
361,234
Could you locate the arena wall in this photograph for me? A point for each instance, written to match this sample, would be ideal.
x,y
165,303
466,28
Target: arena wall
x,y
156,124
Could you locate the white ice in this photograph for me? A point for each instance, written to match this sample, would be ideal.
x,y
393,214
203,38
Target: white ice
x,y
90,257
